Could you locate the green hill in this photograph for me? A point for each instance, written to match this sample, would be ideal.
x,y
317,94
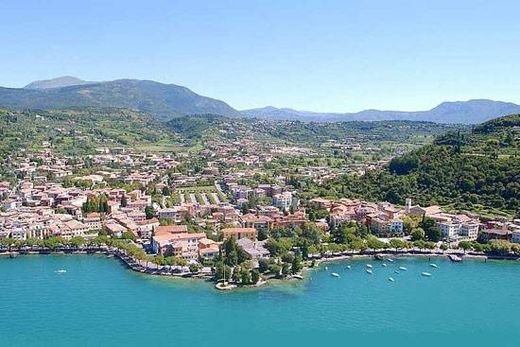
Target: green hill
x,y
80,131
477,170
162,101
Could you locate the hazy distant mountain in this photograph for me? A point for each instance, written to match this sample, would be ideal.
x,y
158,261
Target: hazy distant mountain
x,y
59,82
163,101
469,112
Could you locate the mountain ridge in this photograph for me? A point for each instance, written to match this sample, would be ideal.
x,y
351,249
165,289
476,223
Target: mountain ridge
x,y
163,101
166,101
58,82
472,111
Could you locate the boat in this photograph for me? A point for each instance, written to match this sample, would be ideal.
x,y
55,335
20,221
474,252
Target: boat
x,y
384,264
298,277
391,279
369,266
396,271
61,271
225,286
335,274
379,257
427,274
349,267
326,268
13,255
403,268
390,260
454,258
434,265
369,271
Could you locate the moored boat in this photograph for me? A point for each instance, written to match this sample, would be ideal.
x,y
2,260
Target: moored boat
x,y
427,274
334,274
403,268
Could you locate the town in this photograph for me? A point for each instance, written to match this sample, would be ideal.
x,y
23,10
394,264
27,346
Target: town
x,y
170,217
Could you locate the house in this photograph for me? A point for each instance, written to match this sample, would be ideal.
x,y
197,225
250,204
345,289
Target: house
x,y
239,233
253,249
145,227
92,221
115,229
258,222
172,229
285,201
208,249
183,245
515,236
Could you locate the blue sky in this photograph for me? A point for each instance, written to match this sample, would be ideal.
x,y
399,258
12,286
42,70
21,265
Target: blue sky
x,y
317,55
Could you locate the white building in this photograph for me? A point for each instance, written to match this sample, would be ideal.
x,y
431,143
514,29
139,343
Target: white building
x,y
285,200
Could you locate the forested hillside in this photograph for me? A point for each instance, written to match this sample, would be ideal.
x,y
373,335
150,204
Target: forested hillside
x,y
80,131
478,170
211,127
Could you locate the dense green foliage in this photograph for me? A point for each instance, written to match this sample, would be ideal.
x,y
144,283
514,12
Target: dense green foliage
x,y
480,168
79,131
211,127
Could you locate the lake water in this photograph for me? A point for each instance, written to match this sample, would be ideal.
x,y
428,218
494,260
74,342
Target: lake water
x,y
98,302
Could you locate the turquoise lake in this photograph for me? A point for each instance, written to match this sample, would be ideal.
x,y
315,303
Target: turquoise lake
x,y
98,302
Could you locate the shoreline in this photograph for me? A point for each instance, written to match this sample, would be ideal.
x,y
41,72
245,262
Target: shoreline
x,y
148,268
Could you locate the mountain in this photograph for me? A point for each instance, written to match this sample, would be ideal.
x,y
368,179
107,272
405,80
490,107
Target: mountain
x,y
468,112
162,101
477,170
59,82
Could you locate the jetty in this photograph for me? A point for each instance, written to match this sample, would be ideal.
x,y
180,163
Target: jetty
x,y
455,258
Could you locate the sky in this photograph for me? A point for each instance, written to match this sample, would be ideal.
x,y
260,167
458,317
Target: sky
x,y
326,56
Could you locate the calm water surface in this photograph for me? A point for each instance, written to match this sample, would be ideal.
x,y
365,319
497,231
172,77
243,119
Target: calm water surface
x,y
98,302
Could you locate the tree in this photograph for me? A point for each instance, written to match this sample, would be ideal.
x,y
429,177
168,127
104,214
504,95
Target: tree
x,y
77,241
397,243
262,234
194,268
374,243
149,211
296,265
500,247
263,265
275,269
431,229
245,275
233,254
286,269
465,245
128,235
255,276
418,234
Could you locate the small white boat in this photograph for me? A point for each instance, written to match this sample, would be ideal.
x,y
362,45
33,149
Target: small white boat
x,y
403,268
326,268
390,260
61,271
434,265
391,279
349,267
396,271
369,271
334,274
369,266
384,264
427,274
